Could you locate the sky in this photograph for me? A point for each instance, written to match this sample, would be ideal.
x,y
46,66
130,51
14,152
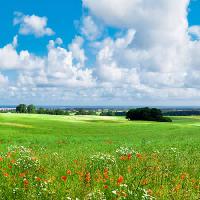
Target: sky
x,y
108,52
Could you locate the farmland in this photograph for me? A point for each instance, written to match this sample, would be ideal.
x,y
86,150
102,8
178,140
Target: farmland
x,y
92,157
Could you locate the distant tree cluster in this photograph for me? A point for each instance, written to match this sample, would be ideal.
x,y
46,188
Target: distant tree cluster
x,y
147,114
85,112
22,108
182,113
113,113
31,109
52,111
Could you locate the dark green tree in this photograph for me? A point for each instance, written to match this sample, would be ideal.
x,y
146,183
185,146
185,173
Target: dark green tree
x,y
147,114
31,109
21,108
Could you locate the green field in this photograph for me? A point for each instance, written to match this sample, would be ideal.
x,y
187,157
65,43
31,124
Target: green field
x,y
84,157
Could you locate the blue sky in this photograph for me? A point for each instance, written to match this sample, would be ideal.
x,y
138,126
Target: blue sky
x,y
61,17
194,15
81,52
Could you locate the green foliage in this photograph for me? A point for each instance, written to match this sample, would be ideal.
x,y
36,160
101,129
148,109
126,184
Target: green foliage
x,y
85,112
147,114
31,109
113,113
21,108
182,113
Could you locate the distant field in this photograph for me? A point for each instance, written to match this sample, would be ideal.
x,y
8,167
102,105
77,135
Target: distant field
x,y
57,157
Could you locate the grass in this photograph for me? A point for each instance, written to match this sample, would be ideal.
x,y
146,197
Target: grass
x,y
74,157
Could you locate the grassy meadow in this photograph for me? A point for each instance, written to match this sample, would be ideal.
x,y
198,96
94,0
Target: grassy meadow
x,y
91,157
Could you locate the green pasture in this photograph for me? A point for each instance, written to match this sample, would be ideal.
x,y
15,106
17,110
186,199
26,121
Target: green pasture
x,y
62,132
57,141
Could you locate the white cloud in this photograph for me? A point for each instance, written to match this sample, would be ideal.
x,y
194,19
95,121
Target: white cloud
x,y
159,57
108,68
60,69
161,27
90,29
32,24
195,31
10,59
3,80
78,52
151,59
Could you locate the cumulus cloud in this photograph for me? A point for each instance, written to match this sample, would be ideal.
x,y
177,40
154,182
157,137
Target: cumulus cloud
x,y
154,57
77,51
90,29
161,27
10,59
58,75
160,55
108,67
32,24
61,69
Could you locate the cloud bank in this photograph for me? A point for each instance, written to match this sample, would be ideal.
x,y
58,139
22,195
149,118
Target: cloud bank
x,y
154,57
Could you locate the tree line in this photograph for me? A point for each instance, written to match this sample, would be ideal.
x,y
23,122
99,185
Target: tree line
x,y
182,113
31,109
144,114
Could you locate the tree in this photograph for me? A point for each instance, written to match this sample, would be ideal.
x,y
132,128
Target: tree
x,y
147,114
41,111
31,109
21,108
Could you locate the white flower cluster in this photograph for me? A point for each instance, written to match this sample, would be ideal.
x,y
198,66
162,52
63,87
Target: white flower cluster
x,y
146,196
104,157
123,151
43,188
173,149
124,191
96,195
25,159
104,160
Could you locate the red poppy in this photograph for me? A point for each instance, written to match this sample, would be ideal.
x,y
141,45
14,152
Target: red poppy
x,y
123,158
150,192
88,177
22,175
76,161
138,155
106,176
26,182
183,176
144,182
69,172
64,178
105,187
120,180
1,159
38,179
177,188
6,174
129,156
13,161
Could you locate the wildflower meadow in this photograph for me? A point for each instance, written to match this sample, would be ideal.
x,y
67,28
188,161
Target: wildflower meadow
x,y
94,158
